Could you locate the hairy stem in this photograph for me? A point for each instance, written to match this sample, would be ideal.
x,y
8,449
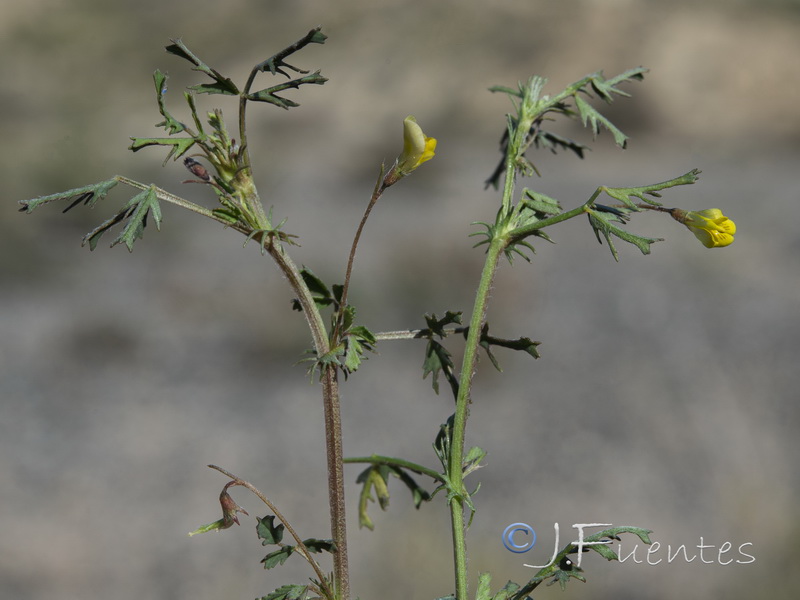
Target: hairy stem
x,y
330,385
333,420
336,500
455,470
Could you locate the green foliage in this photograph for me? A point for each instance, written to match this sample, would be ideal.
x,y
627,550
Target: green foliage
x,y
272,535
486,342
270,94
562,568
221,85
268,531
375,478
624,194
288,592
533,108
438,359
89,195
353,342
277,65
340,344
602,219
135,213
320,292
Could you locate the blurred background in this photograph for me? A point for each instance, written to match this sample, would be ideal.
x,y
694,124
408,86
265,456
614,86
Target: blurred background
x,y
666,395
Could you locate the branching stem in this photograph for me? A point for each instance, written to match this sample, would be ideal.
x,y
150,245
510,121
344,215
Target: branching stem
x,y
304,550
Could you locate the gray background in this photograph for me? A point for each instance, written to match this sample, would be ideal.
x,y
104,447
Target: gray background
x,y
666,394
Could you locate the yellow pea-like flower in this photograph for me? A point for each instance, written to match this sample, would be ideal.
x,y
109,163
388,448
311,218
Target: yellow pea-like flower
x,y
711,227
417,147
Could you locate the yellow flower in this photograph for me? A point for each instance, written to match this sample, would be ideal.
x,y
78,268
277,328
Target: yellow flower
x,y
417,147
711,227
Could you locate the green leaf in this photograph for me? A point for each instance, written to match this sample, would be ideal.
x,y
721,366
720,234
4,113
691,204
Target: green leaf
x,y
348,317
506,90
532,108
602,220
484,591
607,87
319,291
563,569
268,531
472,459
615,532
438,360
441,445
486,342
563,576
437,326
541,205
270,94
215,526
169,123
288,592
135,212
89,195
354,350
362,333
278,557
142,205
551,141
222,84
357,339
317,546
230,215
624,194
590,115
509,590
418,494
265,96
177,146
277,64
605,551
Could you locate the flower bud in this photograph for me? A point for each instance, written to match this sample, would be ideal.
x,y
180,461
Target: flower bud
x,y
229,510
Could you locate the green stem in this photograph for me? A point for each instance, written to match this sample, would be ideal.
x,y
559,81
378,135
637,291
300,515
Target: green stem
x,y
171,198
455,468
376,459
508,182
521,232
